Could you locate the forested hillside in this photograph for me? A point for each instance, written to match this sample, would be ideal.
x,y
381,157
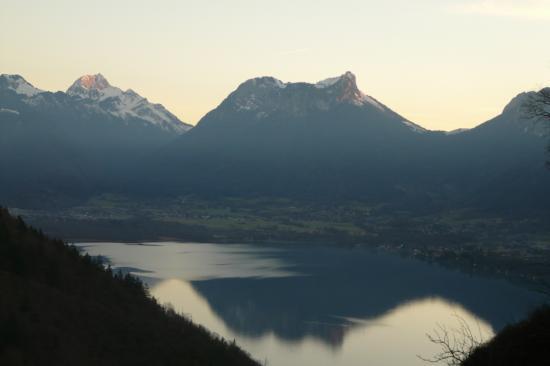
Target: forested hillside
x,y
524,343
58,307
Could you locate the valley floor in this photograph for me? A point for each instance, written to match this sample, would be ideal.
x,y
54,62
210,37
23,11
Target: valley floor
x,y
512,246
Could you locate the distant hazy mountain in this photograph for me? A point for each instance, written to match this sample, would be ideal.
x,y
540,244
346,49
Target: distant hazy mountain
x,y
77,142
330,140
502,161
323,141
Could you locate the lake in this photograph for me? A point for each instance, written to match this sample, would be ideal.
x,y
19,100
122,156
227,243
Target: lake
x,y
319,304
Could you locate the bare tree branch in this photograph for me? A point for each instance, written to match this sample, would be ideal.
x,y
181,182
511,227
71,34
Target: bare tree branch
x,y
538,105
456,344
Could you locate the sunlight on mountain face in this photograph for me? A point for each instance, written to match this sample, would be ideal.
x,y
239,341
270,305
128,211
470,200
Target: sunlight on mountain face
x,y
363,341
93,81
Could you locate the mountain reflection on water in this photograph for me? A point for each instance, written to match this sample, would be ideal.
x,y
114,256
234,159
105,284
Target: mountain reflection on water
x,y
311,304
341,285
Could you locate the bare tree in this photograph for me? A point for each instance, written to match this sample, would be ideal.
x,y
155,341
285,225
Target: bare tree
x,y
456,344
538,106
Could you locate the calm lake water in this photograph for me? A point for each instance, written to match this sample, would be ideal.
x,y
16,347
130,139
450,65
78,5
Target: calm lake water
x,y
319,305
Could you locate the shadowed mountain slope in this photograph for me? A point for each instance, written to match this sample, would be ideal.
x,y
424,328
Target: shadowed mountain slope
x,y
331,141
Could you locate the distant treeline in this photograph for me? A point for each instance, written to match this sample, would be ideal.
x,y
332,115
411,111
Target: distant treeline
x,y
59,307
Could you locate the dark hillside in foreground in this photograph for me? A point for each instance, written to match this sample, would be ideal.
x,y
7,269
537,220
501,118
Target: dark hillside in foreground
x,y
525,343
61,308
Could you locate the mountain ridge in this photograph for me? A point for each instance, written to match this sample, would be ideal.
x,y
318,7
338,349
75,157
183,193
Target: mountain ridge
x,y
18,84
267,95
66,147
313,140
94,91
124,104
355,96
324,140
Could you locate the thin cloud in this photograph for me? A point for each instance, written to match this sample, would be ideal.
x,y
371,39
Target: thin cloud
x,y
523,9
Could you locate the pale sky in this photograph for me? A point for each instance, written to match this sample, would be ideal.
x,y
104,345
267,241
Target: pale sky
x,y
443,64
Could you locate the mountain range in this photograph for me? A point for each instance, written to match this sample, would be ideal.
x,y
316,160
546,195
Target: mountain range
x,y
74,144
322,141
329,140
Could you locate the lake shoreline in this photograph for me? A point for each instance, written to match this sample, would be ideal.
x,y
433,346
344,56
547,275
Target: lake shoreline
x,y
268,296
455,261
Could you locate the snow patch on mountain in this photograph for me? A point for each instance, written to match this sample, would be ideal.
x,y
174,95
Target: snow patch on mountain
x,y
456,131
327,82
267,95
280,84
124,104
414,126
349,92
19,85
367,99
10,111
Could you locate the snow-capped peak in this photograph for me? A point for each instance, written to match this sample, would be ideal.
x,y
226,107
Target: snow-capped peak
x,y
348,90
124,104
96,81
262,91
264,96
264,82
19,85
94,87
331,81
